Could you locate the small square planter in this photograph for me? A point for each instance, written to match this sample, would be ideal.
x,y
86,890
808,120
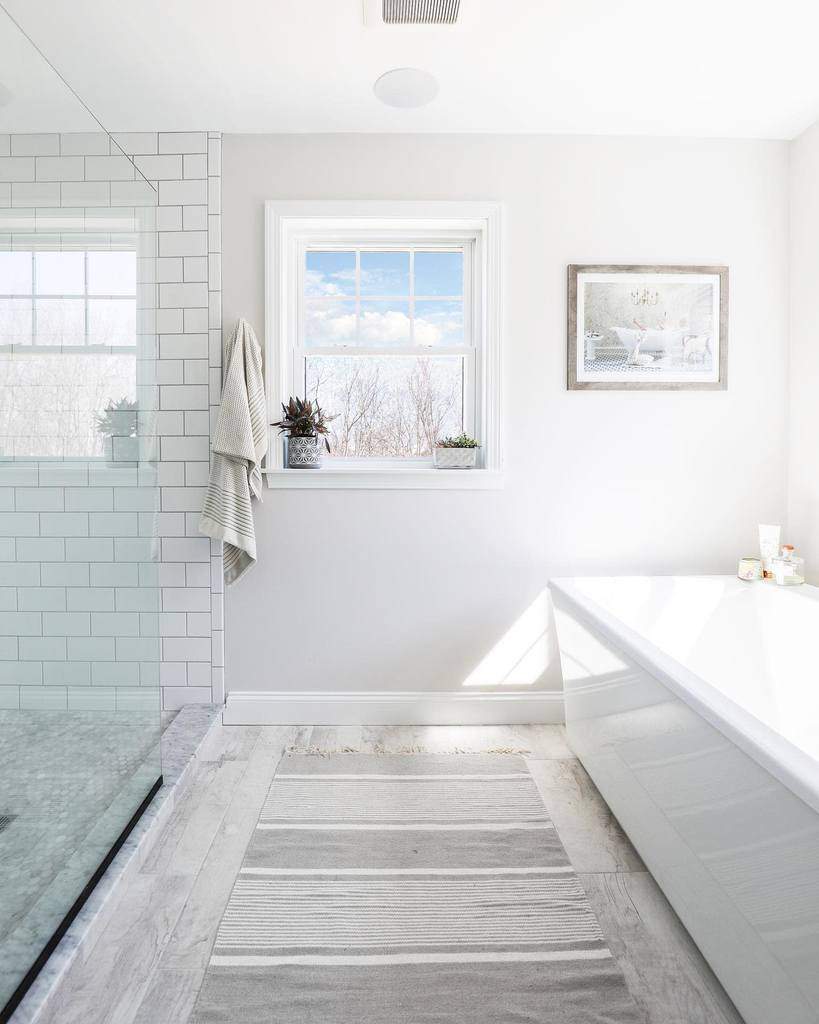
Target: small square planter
x,y
120,449
455,458
303,452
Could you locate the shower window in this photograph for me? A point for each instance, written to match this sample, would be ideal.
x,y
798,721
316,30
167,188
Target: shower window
x,y
68,336
66,299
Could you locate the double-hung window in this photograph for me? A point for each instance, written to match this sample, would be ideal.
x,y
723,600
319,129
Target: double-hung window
x,y
68,346
385,315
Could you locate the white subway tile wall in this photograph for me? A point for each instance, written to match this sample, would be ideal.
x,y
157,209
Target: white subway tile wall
x,y
80,625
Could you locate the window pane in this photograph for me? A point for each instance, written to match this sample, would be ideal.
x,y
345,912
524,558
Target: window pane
x,y
15,321
60,321
384,323
388,406
15,273
112,273
439,273
329,323
112,322
439,322
385,273
60,273
49,401
329,273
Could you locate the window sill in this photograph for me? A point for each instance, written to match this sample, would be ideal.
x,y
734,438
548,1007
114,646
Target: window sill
x,y
385,479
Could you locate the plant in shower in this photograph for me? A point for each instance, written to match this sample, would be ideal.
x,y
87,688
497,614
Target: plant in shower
x,y
118,419
304,422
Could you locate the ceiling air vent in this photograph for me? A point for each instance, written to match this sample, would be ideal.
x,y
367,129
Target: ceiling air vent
x,y
420,12
411,12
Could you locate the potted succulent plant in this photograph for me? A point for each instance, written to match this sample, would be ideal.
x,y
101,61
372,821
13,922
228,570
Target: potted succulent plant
x,y
456,452
303,423
118,425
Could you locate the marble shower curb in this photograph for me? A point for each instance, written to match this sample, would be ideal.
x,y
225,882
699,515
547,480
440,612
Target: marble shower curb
x,y
181,743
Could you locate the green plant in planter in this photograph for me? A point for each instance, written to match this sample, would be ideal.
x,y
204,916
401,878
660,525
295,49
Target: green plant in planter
x,y
461,441
303,418
118,419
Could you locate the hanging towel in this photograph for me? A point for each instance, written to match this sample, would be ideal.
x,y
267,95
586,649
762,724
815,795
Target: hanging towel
x,y
239,444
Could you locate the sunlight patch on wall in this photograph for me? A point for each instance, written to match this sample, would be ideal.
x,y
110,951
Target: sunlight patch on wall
x,y
523,653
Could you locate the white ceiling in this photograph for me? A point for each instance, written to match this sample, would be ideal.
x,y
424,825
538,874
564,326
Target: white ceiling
x,y
32,97
736,68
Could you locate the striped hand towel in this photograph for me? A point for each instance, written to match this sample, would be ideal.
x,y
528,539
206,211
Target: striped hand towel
x,y
239,444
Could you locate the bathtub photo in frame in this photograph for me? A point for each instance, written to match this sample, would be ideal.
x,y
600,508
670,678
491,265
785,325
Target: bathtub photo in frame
x,y
647,328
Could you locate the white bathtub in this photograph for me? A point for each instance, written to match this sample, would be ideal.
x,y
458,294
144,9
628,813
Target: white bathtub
x,y
693,703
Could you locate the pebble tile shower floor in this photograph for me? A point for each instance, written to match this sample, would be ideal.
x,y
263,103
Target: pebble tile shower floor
x,y
59,818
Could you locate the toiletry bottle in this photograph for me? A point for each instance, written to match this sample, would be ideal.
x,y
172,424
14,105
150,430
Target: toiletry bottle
x,y
769,539
789,568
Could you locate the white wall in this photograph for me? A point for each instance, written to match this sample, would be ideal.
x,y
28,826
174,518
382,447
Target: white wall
x,y
408,590
803,411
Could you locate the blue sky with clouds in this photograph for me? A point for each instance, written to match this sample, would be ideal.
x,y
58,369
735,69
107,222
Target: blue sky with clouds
x,y
331,275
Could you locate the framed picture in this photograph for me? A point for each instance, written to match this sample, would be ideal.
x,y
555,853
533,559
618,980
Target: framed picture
x,y
648,328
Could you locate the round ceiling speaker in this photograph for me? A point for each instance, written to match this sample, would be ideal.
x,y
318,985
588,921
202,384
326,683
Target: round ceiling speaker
x,y
406,87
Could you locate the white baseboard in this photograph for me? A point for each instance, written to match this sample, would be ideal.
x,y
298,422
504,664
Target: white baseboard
x,y
399,708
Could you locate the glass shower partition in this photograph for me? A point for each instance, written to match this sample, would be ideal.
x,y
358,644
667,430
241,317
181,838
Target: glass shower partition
x,y
79,586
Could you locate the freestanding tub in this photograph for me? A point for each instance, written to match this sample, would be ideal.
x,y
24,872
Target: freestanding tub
x,y
693,703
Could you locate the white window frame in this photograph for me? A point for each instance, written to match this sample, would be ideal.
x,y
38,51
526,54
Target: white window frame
x,y
290,227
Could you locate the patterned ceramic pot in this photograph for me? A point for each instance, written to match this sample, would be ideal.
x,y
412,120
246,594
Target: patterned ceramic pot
x,y
303,453
454,458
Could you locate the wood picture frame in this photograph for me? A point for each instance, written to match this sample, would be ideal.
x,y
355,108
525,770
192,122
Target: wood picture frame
x,y
644,327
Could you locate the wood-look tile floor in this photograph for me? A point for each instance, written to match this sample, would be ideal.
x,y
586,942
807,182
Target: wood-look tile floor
x,y
147,965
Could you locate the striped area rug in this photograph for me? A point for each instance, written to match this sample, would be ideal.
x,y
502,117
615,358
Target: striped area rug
x,y
409,889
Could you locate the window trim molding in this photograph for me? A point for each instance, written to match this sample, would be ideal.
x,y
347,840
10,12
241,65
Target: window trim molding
x,y
284,221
